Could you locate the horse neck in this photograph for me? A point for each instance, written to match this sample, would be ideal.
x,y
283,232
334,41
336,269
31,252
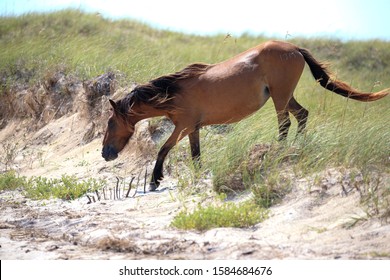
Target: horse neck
x,y
145,111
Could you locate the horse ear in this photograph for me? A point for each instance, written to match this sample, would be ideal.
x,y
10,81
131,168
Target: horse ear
x,y
113,104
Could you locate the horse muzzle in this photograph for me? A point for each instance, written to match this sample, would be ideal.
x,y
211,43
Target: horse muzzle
x,y
109,153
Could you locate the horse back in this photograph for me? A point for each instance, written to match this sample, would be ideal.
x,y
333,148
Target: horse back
x,y
233,89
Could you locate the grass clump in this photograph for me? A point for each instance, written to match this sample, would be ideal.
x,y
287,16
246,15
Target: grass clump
x,y
227,215
11,181
375,196
66,188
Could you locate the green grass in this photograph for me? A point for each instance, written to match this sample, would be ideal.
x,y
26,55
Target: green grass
x,y
11,181
87,45
228,215
66,188
348,134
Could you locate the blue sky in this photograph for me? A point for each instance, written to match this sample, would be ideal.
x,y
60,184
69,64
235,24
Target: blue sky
x,y
344,19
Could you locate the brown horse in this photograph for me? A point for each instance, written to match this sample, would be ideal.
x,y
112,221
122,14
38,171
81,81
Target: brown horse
x,y
226,92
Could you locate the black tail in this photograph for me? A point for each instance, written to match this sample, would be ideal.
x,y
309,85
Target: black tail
x,y
322,75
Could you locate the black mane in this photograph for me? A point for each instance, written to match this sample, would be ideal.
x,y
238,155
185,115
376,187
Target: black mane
x,y
161,91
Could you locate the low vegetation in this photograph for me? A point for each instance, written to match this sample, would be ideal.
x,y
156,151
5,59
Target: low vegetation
x,y
66,188
229,214
11,181
242,156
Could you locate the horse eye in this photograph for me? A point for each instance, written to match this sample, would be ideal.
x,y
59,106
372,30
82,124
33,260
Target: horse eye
x,y
111,124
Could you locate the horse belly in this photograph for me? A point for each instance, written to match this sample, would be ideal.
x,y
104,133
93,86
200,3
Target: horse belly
x,y
227,92
232,106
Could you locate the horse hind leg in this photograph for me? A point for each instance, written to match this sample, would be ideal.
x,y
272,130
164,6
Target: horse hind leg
x,y
284,124
281,106
300,113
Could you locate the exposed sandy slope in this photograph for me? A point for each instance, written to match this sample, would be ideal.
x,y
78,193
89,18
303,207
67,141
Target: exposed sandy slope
x,y
311,222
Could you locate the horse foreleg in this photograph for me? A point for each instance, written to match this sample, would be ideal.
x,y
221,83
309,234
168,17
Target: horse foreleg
x,y
158,168
195,147
157,175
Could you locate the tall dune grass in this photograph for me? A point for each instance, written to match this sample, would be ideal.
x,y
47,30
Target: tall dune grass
x,y
340,132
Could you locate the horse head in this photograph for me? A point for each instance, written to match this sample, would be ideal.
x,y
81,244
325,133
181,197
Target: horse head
x,y
119,131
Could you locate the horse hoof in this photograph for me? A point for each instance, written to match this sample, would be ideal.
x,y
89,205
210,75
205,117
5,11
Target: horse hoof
x,y
153,187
